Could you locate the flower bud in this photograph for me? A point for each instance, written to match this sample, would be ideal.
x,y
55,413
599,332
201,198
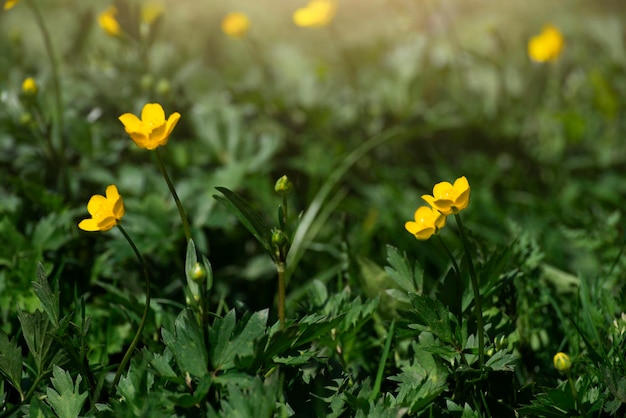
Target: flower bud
x,y
283,185
29,87
279,238
163,87
562,362
198,273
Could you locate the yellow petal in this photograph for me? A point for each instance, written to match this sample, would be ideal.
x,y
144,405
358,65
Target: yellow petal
x,y
10,3
131,122
171,122
96,203
153,115
112,193
106,223
89,225
118,209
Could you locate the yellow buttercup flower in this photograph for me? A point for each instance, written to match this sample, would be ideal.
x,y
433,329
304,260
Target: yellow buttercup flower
x,y
427,222
106,212
546,46
315,14
8,4
449,198
562,362
29,86
152,130
108,22
235,25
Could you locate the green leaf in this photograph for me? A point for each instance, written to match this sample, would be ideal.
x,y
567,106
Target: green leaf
x,y
432,313
11,361
250,218
229,340
400,271
38,335
49,298
187,344
65,398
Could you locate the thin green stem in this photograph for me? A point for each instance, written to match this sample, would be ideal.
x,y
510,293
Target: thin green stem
x,y
280,267
572,385
54,64
146,309
476,289
179,205
455,265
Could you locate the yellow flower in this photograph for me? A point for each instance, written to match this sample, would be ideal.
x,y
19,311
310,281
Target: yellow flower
x,y
448,198
106,212
546,46
8,4
315,14
562,362
152,130
427,222
29,86
109,23
235,25
151,11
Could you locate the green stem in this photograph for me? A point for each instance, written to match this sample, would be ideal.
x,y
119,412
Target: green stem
x,y
455,266
476,289
179,205
280,267
54,64
574,392
146,309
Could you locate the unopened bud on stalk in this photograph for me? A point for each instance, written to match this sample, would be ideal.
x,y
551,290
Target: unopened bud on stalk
x,y
198,273
283,185
562,362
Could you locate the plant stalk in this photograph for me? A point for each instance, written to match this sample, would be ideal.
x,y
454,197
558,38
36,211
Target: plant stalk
x,y
144,317
476,289
179,205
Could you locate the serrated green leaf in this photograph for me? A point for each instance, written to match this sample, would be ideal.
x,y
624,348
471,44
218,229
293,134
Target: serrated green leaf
x,y
432,313
249,217
49,298
229,341
400,270
65,398
187,344
11,361
37,331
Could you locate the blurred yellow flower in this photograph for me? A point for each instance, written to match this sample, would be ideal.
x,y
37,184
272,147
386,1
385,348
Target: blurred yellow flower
x,y
8,4
315,14
29,86
448,198
152,130
106,212
151,11
546,46
562,362
109,23
427,222
235,25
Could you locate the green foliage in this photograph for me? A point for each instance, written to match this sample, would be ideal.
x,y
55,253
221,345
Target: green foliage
x,y
349,315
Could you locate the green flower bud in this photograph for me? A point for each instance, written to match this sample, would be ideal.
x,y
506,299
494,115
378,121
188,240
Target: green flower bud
x,y
283,185
562,362
279,238
198,273
163,87
501,342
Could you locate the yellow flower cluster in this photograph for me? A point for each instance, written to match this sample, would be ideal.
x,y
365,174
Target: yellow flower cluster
x,y
446,199
149,132
546,46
